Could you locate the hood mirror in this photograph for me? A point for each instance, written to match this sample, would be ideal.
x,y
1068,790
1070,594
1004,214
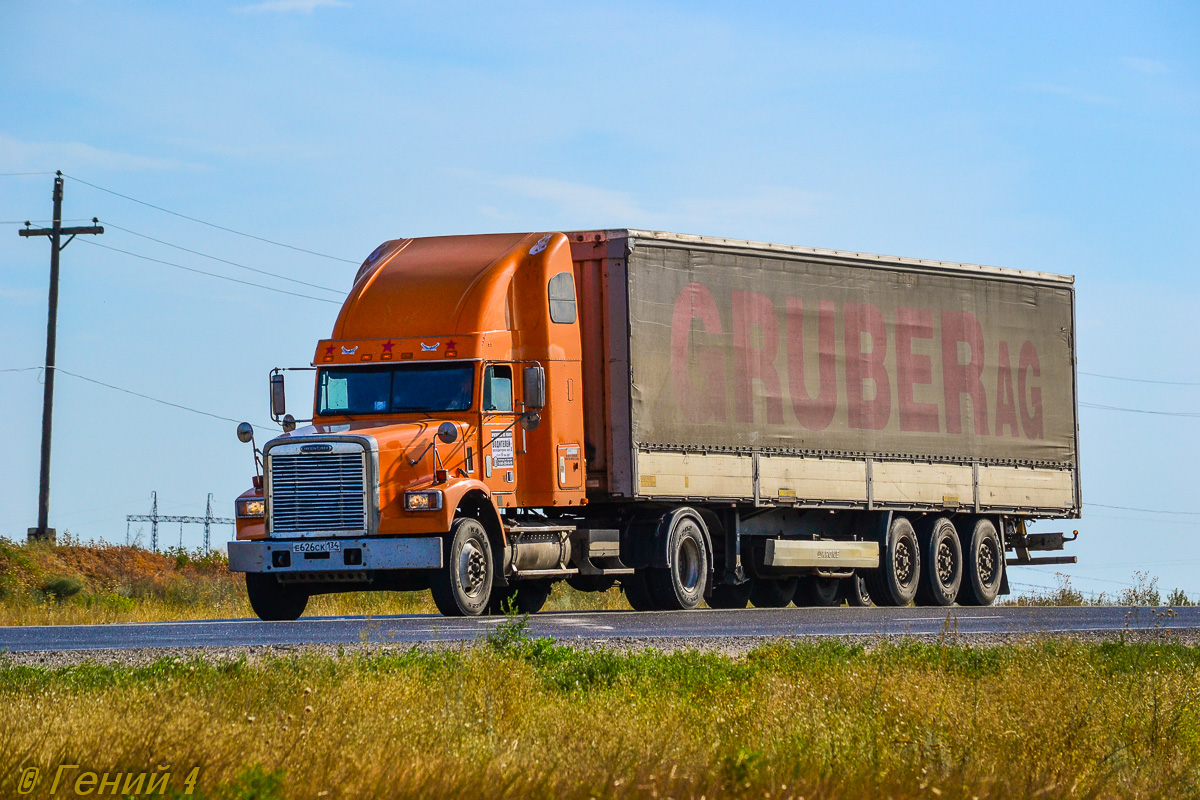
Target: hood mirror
x,y
530,420
447,433
245,432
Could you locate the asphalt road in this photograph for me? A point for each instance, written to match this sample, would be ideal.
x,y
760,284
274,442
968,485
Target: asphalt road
x,y
565,626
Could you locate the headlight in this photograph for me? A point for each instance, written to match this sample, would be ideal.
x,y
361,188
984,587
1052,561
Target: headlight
x,y
251,507
423,501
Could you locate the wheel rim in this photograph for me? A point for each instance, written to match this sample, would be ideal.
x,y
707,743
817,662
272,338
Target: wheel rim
x,y
472,568
946,563
687,564
903,561
987,562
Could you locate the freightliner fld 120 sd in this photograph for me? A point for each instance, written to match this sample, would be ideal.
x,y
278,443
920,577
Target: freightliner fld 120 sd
x,y
691,418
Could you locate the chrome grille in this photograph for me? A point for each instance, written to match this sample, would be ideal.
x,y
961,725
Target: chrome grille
x,y
318,492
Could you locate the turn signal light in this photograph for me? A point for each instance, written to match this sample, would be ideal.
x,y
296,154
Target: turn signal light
x,y
440,476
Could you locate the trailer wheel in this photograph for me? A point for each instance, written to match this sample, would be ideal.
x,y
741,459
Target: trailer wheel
x,y
273,601
894,583
854,592
772,592
983,564
523,597
941,563
463,586
727,595
680,587
815,591
637,591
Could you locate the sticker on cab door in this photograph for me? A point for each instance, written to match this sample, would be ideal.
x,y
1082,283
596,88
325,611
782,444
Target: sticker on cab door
x,y
502,449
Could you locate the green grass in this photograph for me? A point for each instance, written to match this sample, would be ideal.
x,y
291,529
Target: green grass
x,y
523,717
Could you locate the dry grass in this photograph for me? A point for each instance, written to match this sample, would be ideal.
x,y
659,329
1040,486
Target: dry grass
x,y
520,718
78,584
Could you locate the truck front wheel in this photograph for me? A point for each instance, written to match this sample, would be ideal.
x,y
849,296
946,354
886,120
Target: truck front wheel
x,y
273,601
463,586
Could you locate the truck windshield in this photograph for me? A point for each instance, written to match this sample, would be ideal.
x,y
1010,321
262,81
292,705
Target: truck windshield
x,y
397,389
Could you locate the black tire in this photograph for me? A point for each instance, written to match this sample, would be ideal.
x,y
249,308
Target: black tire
x,y
727,595
983,564
463,586
273,601
524,597
680,587
815,591
941,563
854,592
637,591
772,592
895,582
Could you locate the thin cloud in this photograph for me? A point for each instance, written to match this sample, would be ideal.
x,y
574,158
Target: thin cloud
x,y
15,153
290,6
1146,65
1072,94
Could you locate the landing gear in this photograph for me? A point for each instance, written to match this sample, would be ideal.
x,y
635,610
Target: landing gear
x,y
463,586
983,564
895,582
273,601
941,563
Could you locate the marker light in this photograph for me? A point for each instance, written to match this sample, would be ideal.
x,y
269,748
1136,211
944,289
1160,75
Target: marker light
x,y
423,501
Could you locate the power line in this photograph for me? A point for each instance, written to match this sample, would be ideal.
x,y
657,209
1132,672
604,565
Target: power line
x,y
1127,410
20,369
210,224
19,174
146,396
1139,380
223,260
1145,510
213,274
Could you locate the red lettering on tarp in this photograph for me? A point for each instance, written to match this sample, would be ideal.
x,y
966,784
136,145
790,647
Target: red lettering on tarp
x,y
814,412
959,378
863,365
756,363
1006,401
913,369
1030,396
707,402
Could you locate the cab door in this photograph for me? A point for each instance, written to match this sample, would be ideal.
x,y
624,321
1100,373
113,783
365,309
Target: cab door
x,y
499,433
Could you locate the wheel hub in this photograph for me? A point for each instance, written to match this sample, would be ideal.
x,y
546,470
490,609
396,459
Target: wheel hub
x,y
472,569
987,563
904,562
945,563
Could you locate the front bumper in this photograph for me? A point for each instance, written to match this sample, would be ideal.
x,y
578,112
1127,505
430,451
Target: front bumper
x,y
268,555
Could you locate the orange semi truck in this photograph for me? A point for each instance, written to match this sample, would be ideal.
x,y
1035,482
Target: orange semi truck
x,y
691,418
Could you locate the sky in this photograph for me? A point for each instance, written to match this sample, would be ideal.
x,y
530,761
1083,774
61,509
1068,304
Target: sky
x,y
1056,137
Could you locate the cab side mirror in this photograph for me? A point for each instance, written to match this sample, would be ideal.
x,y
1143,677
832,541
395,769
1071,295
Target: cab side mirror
x,y
534,378
278,399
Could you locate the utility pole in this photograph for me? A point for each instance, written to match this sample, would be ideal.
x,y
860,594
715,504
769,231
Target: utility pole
x,y
43,531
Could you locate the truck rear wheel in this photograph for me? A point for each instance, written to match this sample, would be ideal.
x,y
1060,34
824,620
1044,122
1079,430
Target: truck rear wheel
x,y
680,587
816,591
983,564
273,601
463,586
727,595
894,583
941,563
523,597
772,592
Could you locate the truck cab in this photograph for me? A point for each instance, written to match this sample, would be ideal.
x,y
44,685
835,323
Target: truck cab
x,y
448,395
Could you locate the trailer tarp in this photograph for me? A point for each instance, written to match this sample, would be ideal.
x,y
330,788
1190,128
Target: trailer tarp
x,y
741,350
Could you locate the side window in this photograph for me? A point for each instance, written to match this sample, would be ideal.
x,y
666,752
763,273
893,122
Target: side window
x,y
497,388
562,298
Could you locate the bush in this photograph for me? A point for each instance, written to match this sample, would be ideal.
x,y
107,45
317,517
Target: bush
x,y
60,588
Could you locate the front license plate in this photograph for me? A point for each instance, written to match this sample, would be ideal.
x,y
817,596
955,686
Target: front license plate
x,y
316,547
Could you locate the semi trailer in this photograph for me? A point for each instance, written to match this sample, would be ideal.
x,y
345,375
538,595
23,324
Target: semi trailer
x,y
690,418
